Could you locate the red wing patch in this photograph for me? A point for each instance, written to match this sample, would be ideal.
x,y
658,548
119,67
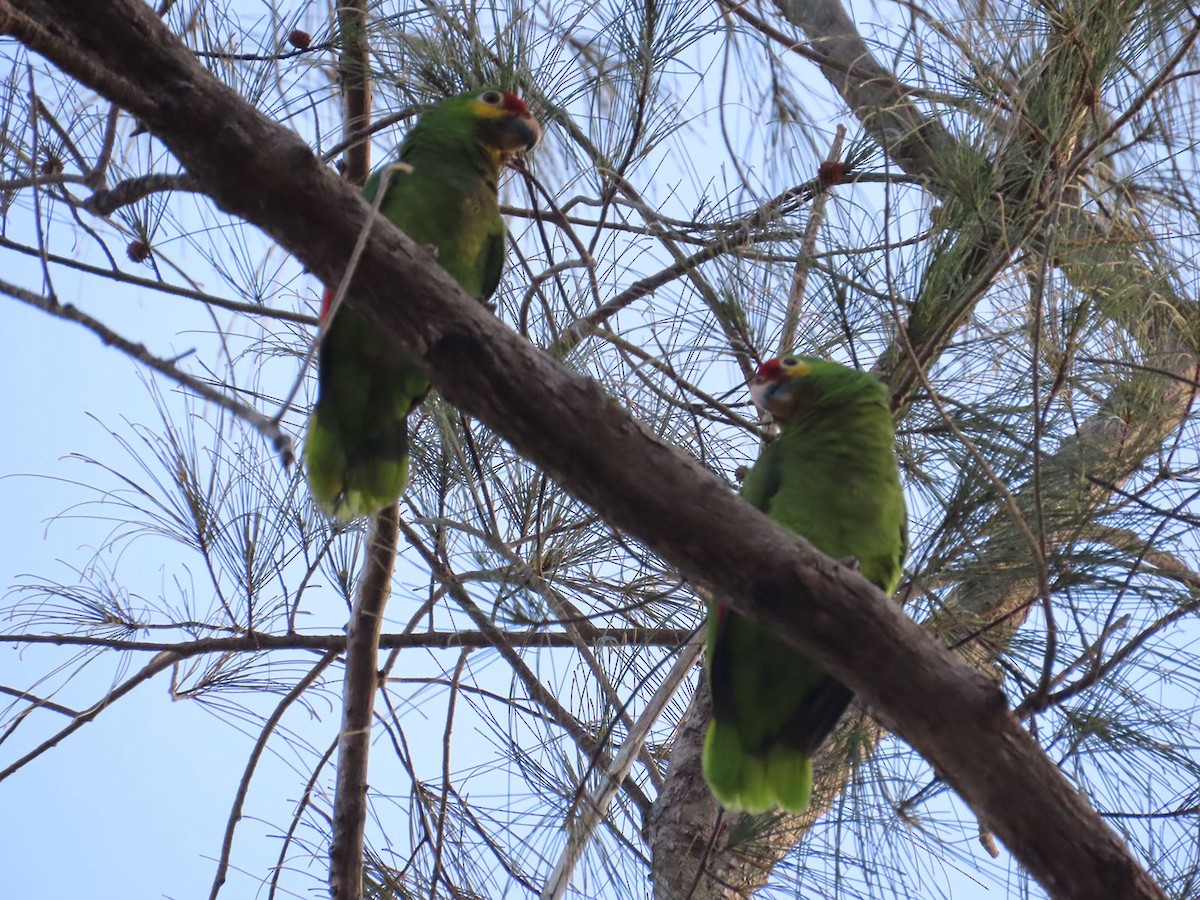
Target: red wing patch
x,y
326,300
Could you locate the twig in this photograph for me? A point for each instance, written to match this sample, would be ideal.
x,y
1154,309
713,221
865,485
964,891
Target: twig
x,y
97,177
41,178
34,104
152,668
106,202
297,816
281,56
434,640
269,428
36,701
740,234
252,309
354,72
440,841
43,112
538,692
808,248
362,134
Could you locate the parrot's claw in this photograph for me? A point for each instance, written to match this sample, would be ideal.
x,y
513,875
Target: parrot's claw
x,y
850,562
431,249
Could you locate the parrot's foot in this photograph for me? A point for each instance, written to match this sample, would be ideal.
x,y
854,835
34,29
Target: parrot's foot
x,y
431,249
850,562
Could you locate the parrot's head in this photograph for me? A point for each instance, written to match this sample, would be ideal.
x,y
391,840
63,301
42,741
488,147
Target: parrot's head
x,y
487,121
504,123
792,385
487,125
774,387
496,123
493,123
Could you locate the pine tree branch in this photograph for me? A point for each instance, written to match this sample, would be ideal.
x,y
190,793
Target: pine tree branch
x,y
106,202
790,337
537,691
354,73
582,825
256,641
919,145
375,583
1026,185
586,441
250,309
358,705
163,660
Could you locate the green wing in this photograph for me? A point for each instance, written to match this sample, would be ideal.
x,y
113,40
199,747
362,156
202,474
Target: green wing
x,y
834,481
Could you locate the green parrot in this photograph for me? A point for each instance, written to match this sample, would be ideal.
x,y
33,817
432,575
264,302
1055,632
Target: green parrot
x,y
831,477
442,193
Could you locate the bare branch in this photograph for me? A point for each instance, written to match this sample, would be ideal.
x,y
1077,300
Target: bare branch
x,y
106,202
255,641
164,660
795,303
358,705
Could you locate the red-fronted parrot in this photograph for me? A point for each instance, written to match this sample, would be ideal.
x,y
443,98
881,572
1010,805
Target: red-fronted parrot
x,y
830,476
442,194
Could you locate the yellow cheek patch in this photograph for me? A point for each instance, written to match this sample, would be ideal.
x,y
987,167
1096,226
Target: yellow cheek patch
x,y
483,110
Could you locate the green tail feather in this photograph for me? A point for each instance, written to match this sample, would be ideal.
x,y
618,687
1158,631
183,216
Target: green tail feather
x,y
351,482
745,782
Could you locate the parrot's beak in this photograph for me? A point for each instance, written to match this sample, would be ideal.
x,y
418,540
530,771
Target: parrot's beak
x,y
523,134
773,387
523,131
763,388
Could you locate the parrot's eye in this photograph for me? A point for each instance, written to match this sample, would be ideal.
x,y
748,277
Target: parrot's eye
x,y
492,98
789,362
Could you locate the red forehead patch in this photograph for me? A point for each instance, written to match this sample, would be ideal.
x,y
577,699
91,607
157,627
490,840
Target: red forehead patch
x,y
770,370
515,104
